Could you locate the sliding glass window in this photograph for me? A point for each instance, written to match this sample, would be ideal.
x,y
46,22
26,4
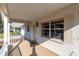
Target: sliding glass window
x,y
56,29
45,29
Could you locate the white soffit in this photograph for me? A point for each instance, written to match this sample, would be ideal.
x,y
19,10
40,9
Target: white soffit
x,y
32,11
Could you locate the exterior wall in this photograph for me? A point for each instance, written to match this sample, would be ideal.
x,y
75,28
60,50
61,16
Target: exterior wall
x,y
71,28
75,33
29,35
69,21
69,16
68,25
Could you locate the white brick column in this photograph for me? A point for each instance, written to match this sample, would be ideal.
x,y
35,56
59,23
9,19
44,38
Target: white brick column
x,y
6,32
22,31
14,29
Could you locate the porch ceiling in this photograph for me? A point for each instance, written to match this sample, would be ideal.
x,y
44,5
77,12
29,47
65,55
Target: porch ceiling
x,y
32,11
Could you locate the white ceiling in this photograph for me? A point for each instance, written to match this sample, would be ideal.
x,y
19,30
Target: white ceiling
x,y
32,11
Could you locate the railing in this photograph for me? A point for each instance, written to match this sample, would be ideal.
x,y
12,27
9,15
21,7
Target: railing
x,y
3,49
15,38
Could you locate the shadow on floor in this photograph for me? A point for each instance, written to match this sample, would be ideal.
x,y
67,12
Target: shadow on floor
x,y
9,49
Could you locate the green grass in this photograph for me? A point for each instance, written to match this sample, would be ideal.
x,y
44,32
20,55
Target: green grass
x,y
1,35
12,33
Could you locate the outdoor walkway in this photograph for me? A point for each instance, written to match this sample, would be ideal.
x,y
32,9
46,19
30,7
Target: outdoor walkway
x,y
15,52
26,49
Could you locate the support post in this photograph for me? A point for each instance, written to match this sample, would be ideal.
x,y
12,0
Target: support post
x,y
6,32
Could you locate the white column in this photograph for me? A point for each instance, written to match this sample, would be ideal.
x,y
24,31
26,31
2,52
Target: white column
x,y
22,31
49,29
6,32
14,29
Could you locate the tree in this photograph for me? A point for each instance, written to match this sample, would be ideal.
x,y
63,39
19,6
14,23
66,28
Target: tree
x,y
1,26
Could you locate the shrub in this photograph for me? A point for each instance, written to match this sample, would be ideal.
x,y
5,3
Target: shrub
x,y
13,33
1,35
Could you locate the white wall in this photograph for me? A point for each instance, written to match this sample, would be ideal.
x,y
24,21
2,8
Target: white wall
x,y
27,34
23,31
71,31
75,33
